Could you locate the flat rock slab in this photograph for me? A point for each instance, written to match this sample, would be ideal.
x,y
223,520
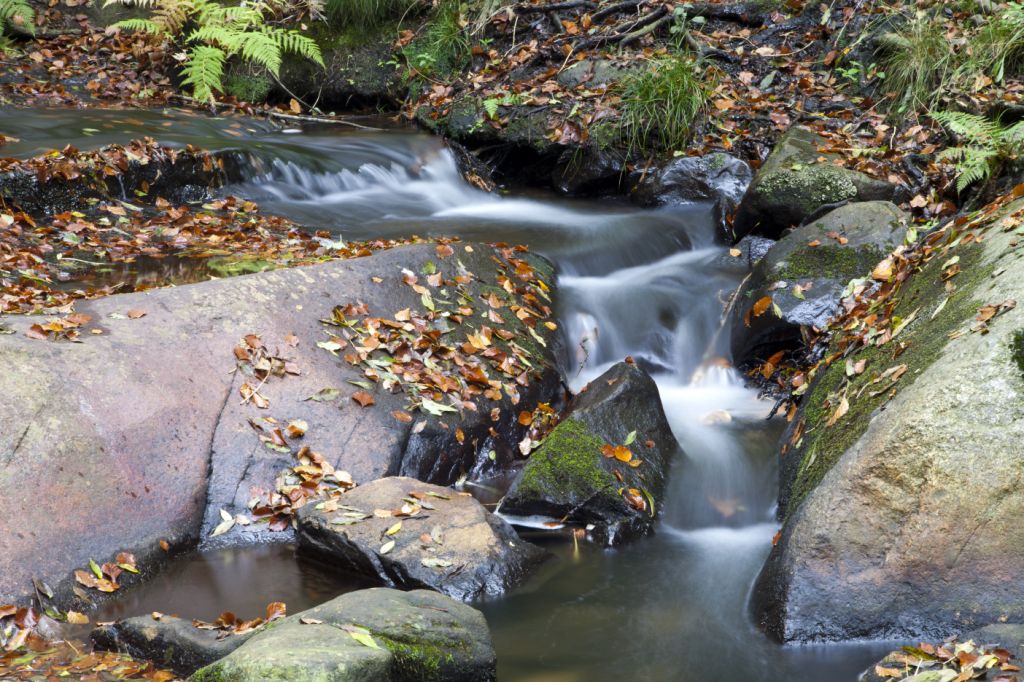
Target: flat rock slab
x,y
127,438
452,544
169,642
376,635
571,475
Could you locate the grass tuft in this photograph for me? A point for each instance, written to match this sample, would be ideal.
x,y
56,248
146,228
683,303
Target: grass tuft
x,y
366,13
443,48
919,63
661,103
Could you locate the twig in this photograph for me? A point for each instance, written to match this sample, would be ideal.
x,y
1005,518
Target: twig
x,y
630,31
650,28
724,12
279,114
569,4
598,16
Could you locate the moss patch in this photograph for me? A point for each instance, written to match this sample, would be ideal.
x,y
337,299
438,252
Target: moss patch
x,y
567,466
1017,350
809,186
829,261
822,446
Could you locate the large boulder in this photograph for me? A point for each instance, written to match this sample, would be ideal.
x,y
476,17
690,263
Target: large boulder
x,y
717,177
376,635
169,642
805,272
140,430
901,475
439,539
576,476
795,181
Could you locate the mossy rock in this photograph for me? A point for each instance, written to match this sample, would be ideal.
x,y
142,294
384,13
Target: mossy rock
x,y
902,517
805,272
568,476
376,635
796,181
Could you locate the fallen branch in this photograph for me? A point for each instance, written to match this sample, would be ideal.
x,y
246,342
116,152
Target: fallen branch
x,y
275,114
608,11
723,12
569,4
630,31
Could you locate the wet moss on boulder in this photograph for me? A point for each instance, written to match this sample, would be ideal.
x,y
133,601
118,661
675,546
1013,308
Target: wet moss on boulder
x,y
375,635
570,477
796,181
804,274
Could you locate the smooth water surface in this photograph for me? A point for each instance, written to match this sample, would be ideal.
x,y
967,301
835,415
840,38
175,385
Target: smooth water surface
x,y
645,283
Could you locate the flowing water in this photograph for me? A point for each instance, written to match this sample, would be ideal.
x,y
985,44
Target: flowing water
x,y
646,283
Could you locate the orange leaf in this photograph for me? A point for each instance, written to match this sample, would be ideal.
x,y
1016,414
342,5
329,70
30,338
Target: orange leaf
x,y
363,398
762,305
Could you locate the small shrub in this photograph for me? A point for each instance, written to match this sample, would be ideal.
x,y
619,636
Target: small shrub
x,y
988,145
213,33
443,48
919,63
661,102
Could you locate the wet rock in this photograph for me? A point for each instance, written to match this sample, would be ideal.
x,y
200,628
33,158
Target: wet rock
x,y
977,643
153,432
568,476
912,496
176,175
594,72
452,545
172,643
589,170
376,635
804,282
796,181
717,177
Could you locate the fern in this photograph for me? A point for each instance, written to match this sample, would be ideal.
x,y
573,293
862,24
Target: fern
x,y
988,145
17,14
220,32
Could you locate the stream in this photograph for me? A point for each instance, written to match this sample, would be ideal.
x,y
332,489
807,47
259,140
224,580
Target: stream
x,y
645,283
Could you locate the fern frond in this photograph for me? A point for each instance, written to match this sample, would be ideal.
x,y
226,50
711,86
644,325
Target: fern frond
x,y
294,42
172,15
132,3
261,48
203,71
977,165
139,26
17,13
229,40
976,129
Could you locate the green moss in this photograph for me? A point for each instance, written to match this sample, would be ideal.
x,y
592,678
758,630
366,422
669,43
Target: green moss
x,y
809,186
567,466
249,88
1017,349
829,261
605,135
925,339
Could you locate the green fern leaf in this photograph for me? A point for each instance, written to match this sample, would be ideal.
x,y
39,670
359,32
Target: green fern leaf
x,y
139,25
203,71
17,13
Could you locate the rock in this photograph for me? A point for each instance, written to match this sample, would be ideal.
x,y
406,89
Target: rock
x,y
568,476
795,181
716,177
153,433
871,230
594,72
469,552
175,174
985,640
589,170
902,519
376,635
169,642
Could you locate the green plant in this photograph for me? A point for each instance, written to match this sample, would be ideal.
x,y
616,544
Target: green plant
x,y
443,47
919,62
17,15
997,49
213,33
988,145
366,13
661,102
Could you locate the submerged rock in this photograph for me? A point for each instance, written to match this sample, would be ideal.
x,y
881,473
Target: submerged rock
x,y
452,545
570,477
902,515
376,635
805,272
142,430
796,181
169,642
716,177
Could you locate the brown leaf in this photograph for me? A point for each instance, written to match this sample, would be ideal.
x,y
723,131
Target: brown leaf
x,y
276,610
761,305
363,398
402,416
135,313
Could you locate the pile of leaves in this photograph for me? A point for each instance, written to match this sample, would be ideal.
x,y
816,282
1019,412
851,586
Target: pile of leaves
x,y
956,661
437,355
227,623
41,660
